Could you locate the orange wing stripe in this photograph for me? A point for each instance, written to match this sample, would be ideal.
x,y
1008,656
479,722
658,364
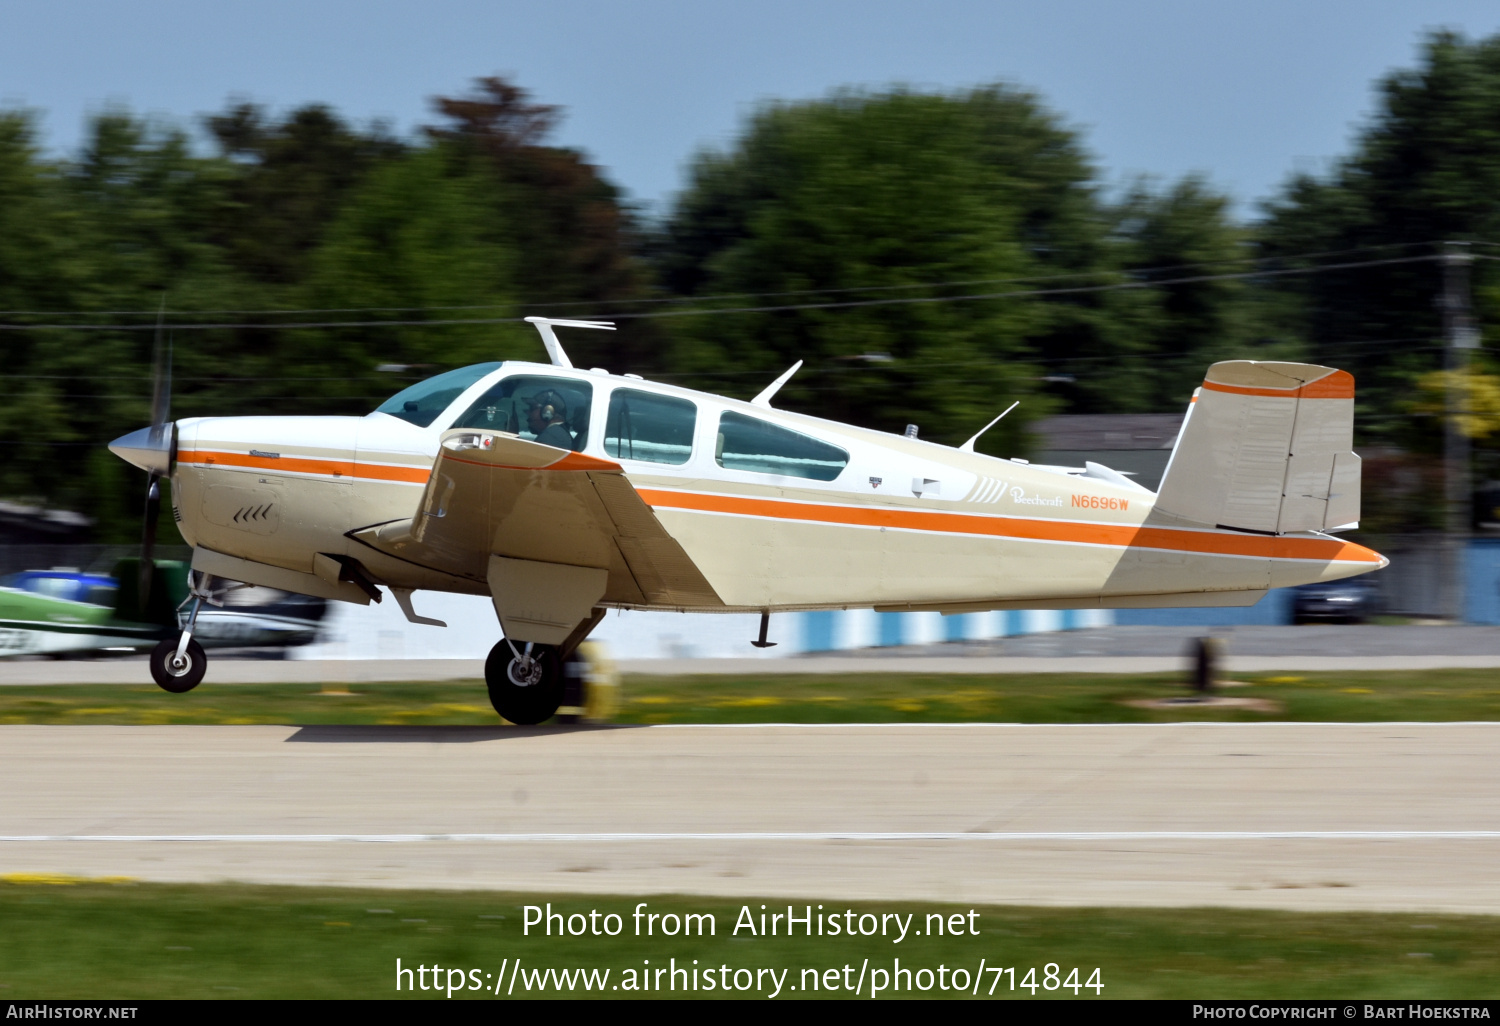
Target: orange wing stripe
x,y
307,465
578,461
572,461
1123,535
1338,385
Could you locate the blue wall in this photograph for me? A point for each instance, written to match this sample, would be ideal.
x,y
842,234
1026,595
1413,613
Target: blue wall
x,y
1482,581
817,630
956,628
1275,608
889,625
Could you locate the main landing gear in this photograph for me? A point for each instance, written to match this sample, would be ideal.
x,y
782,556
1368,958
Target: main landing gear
x,y
525,681
178,664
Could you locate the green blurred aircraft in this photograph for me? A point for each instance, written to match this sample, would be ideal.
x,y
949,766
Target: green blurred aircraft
x,y
62,612
36,623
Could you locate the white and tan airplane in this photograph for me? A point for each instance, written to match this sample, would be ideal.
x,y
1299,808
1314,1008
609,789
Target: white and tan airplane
x,y
562,492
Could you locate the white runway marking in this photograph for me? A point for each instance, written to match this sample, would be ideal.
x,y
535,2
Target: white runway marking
x,y
1375,816
820,835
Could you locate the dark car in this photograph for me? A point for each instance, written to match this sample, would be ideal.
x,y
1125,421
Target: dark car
x,y
1352,600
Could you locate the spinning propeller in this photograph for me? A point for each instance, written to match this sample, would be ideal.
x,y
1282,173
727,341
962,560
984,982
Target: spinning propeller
x,y
153,449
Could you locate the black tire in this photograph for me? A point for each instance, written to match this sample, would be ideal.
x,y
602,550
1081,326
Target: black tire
x,y
515,697
178,680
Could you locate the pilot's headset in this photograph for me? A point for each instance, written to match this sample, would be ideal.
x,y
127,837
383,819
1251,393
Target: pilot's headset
x,y
549,406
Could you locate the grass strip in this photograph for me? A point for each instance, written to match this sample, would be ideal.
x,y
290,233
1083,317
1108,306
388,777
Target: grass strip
x,y
67,938
1430,695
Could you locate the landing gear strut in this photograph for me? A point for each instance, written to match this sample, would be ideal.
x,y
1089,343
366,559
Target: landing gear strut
x,y
525,682
178,664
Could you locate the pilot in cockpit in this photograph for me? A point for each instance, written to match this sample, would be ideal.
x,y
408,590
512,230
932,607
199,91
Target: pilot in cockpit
x,y
547,415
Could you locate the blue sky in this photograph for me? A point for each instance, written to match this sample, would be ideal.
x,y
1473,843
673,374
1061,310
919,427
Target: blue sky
x,y
1241,92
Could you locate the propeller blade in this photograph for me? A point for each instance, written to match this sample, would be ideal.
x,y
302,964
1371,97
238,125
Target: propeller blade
x,y
161,377
158,455
148,540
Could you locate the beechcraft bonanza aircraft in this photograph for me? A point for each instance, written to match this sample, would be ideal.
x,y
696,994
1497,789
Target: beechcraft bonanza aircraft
x,y
562,492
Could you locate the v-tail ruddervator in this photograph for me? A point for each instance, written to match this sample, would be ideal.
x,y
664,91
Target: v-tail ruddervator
x,y
562,492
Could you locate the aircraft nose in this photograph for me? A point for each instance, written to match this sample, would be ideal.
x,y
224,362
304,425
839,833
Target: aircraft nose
x,y
149,448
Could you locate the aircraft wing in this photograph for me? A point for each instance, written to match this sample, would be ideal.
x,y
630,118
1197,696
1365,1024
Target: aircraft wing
x,y
496,494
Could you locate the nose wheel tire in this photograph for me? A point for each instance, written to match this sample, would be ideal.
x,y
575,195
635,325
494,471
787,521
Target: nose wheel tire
x,y
526,690
174,675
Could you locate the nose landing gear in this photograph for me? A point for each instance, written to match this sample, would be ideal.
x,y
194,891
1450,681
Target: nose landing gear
x,y
526,683
178,664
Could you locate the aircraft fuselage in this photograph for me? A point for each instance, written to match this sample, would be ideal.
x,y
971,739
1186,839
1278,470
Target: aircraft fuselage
x,y
900,524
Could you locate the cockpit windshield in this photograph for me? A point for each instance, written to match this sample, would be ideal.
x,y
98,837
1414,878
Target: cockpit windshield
x,y
422,403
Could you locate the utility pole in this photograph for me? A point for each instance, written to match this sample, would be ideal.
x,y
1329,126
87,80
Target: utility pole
x,y
1460,337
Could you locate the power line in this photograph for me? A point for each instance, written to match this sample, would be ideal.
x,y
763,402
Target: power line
x,y
778,308
1068,290
1131,271
1035,360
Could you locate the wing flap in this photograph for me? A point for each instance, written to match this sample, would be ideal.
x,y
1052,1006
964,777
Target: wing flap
x,y
659,564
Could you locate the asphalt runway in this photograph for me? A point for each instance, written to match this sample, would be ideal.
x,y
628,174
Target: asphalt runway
x,y
1299,816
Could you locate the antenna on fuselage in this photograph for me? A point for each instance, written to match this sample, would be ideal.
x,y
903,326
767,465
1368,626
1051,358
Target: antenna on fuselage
x,y
549,337
969,445
764,399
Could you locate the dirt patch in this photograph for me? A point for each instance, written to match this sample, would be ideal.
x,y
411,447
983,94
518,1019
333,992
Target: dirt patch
x,y
1260,705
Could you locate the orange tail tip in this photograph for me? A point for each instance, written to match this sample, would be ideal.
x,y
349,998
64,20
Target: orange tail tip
x,y
1359,554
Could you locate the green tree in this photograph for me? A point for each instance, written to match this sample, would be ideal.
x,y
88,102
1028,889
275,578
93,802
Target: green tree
x,y
1424,170
1177,242
875,197
37,272
577,240
126,227
426,237
987,189
294,177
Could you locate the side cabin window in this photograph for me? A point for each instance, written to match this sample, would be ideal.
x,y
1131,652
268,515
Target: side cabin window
x,y
746,443
650,427
552,411
423,402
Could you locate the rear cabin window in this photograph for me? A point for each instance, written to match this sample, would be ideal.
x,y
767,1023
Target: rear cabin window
x,y
423,402
745,443
649,427
552,411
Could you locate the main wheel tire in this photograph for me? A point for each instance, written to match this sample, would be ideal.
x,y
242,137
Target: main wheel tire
x,y
524,695
178,677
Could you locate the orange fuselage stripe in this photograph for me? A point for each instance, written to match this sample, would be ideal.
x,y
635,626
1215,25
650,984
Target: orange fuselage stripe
x,y
308,465
1021,528
1027,529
